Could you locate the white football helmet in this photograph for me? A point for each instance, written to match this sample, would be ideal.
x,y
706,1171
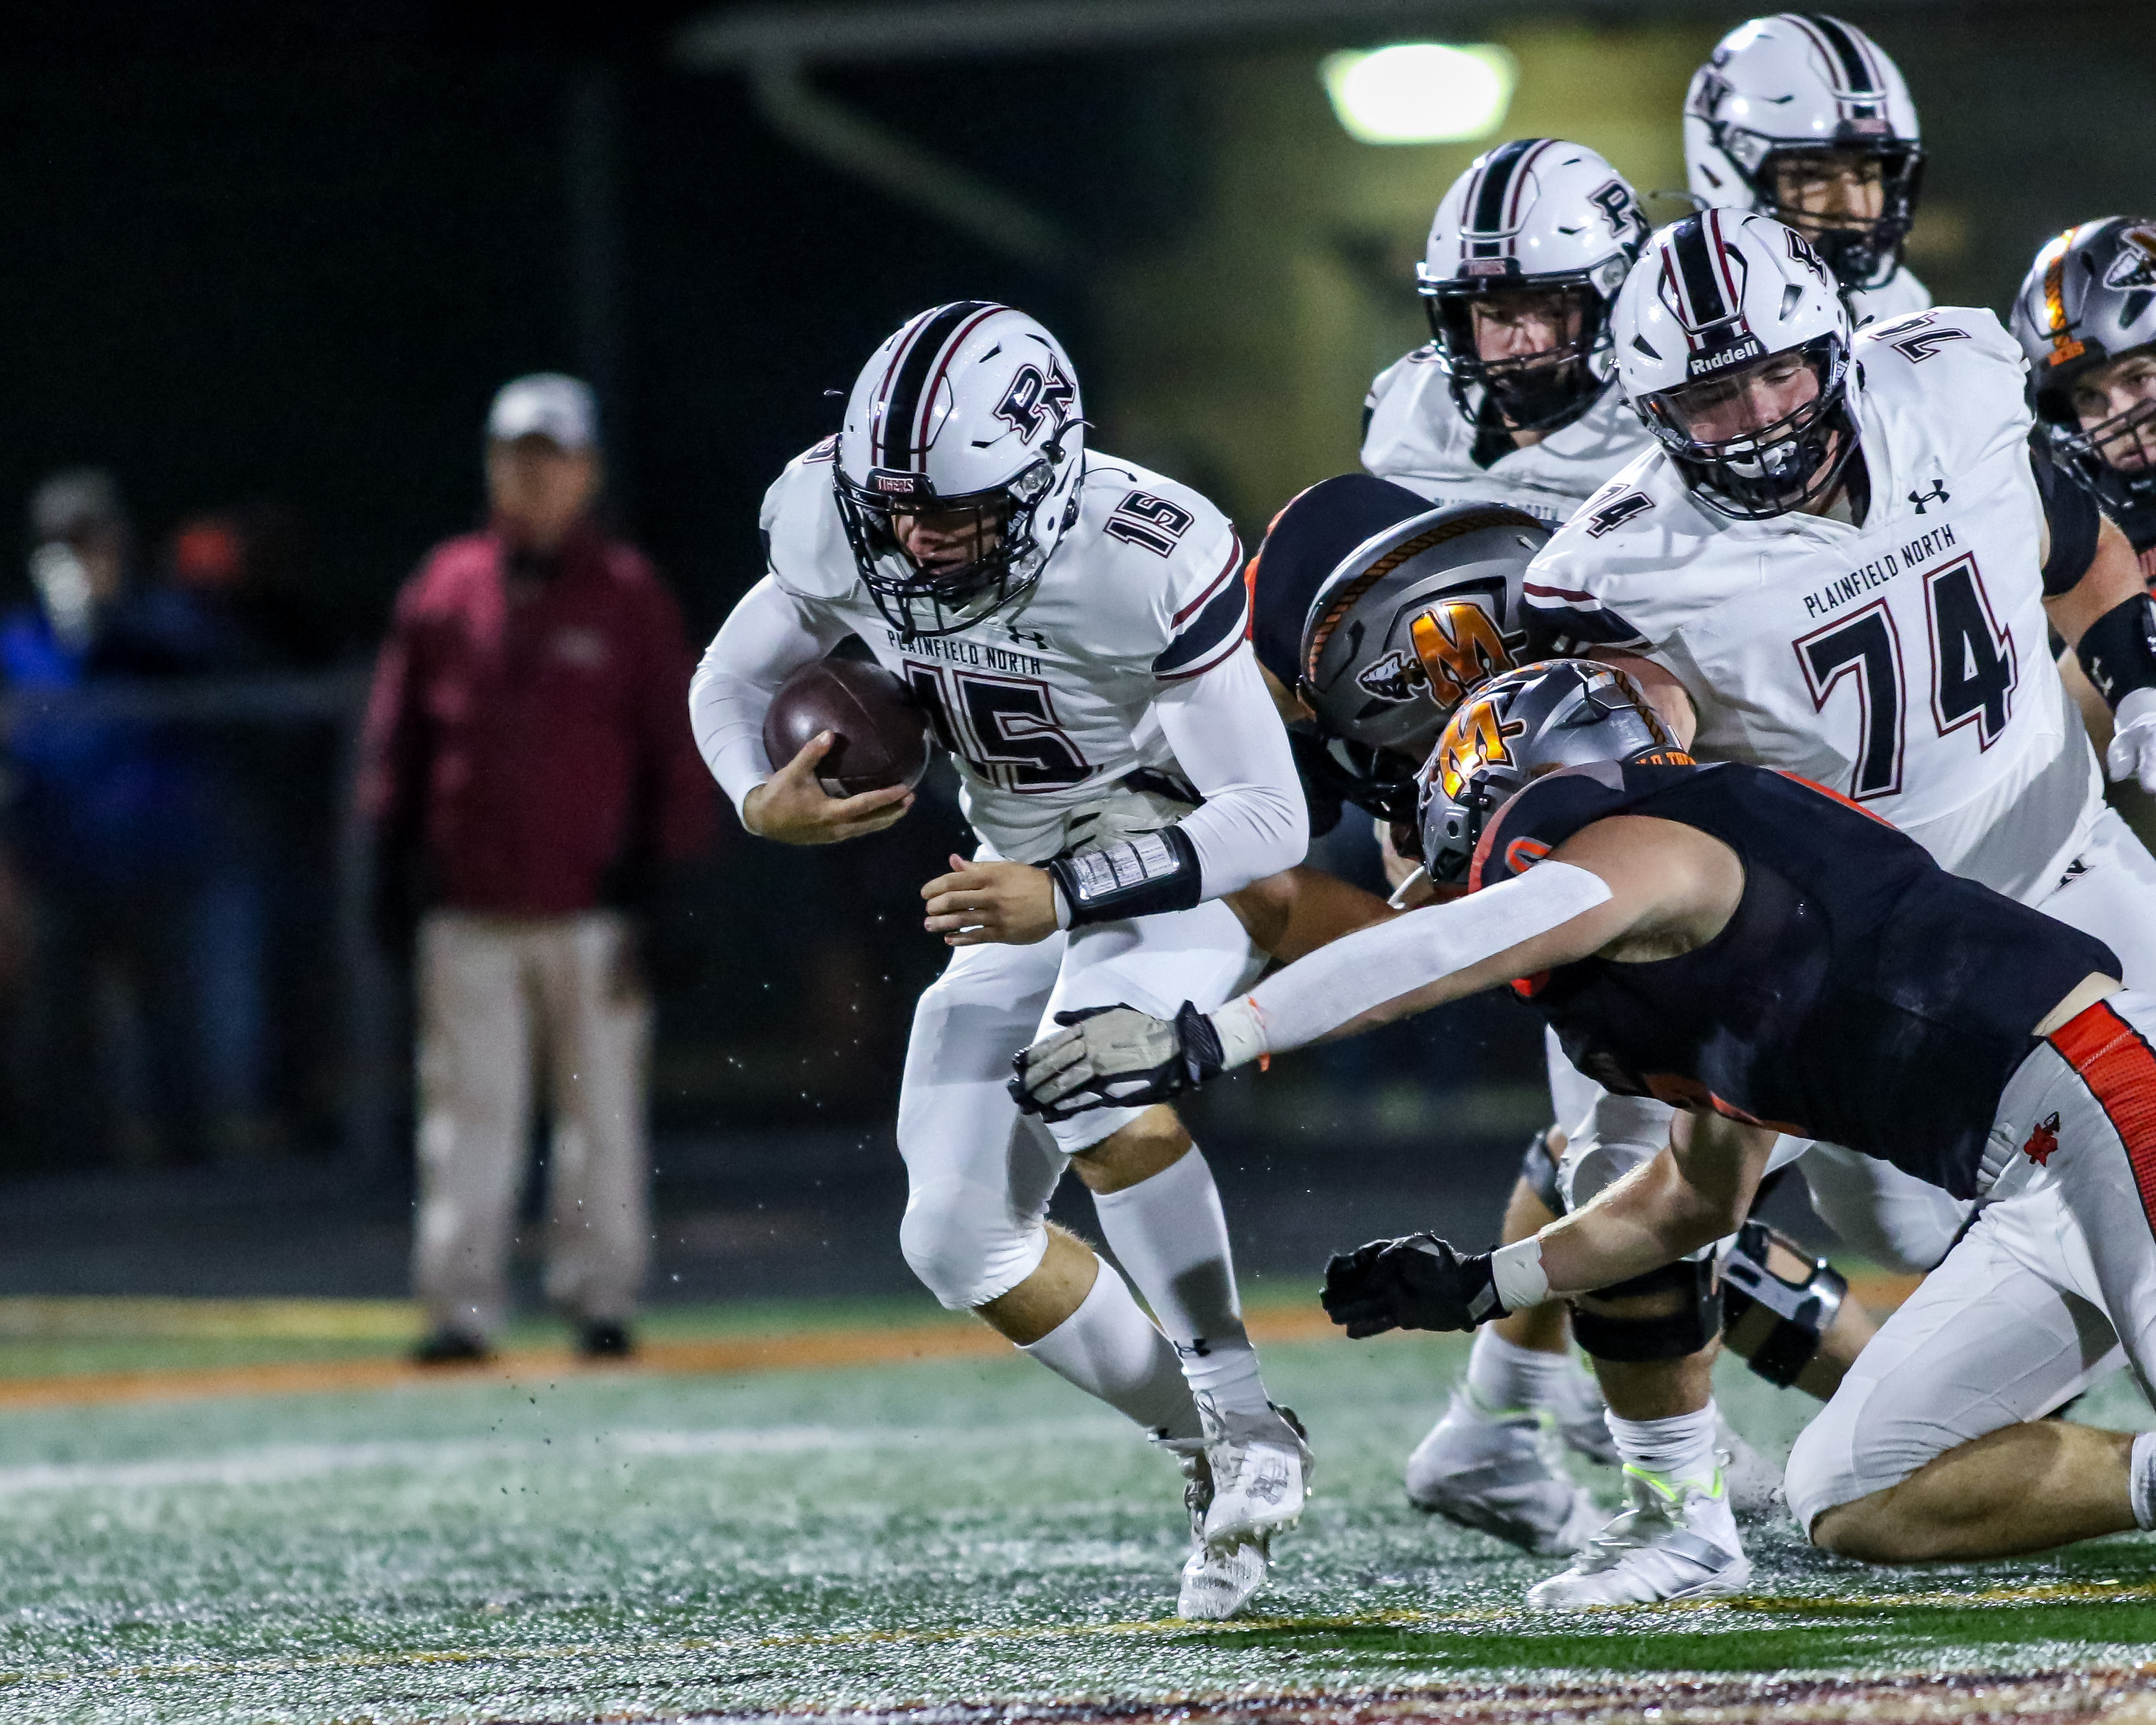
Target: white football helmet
x,y
1711,327
1535,214
957,469
1803,81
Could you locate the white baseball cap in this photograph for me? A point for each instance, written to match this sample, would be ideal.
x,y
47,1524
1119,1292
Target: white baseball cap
x,y
547,404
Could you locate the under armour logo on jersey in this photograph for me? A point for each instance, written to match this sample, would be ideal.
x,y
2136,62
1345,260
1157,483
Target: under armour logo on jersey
x,y
2043,1140
1938,493
1039,640
1197,1347
1036,397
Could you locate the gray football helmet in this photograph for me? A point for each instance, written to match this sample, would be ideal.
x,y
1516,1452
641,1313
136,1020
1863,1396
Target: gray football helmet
x,y
2088,299
1563,712
1411,620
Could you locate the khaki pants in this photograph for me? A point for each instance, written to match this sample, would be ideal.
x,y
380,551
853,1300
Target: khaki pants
x,y
495,995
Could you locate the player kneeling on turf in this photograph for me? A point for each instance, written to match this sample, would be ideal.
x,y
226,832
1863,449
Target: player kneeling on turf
x,y
1769,958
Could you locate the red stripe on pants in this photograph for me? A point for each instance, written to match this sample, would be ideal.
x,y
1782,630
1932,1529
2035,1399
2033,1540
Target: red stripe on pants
x,y
2120,1071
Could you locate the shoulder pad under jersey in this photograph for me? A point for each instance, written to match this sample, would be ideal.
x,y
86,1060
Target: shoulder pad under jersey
x,y
1166,558
804,542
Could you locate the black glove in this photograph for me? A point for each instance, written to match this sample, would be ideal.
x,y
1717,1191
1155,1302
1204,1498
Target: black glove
x,y
1417,1282
1115,1057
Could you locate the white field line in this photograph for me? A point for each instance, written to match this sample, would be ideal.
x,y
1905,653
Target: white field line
x,y
279,1463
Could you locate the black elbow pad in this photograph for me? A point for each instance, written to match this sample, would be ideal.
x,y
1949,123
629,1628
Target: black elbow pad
x,y
2119,649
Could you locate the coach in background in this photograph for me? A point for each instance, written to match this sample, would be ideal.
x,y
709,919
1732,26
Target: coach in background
x,y
528,775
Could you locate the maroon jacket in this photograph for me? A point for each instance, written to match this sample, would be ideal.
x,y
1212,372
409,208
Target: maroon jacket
x,y
535,754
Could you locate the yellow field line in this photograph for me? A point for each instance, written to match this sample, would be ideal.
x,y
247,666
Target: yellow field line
x,y
1405,1618
791,1350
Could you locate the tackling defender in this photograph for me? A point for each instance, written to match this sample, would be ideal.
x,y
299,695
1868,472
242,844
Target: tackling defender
x,y
1804,118
1840,553
1768,957
1074,626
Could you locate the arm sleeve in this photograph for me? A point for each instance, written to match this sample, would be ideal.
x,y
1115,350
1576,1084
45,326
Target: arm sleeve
x,y
1340,981
769,633
2071,513
1229,743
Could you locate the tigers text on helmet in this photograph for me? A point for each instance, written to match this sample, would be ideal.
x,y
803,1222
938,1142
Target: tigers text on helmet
x,y
2087,303
1407,624
1539,226
1779,97
1733,345
1563,712
959,465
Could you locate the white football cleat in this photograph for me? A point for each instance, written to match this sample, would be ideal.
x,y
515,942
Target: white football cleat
x,y
1678,1541
1218,1580
1500,1473
1579,1408
1261,1470
1754,1483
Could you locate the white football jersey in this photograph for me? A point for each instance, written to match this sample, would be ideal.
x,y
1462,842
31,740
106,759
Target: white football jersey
x,y
1898,297
1045,706
1417,437
1906,663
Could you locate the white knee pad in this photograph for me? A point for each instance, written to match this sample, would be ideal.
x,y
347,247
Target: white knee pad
x,y
1619,1134
961,1238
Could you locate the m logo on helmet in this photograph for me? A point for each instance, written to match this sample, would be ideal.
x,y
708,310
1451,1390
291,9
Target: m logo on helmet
x,y
2135,265
1459,645
1474,739
1034,400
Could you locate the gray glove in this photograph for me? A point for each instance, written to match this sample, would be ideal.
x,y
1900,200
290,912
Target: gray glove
x,y
1115,1057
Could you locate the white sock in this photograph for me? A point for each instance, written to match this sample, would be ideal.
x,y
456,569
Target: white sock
x,y
1679,1448
1110,1349
2141,1479
1170,1234
1504,1377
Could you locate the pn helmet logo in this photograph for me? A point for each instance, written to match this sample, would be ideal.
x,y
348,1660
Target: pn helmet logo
x,y
2135,265
1034,398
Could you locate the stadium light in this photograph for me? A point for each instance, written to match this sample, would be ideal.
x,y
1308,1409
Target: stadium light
x,y
1420,92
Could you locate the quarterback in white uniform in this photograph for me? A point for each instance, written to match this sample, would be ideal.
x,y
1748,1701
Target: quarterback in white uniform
x,y
1840,555
1074,627
1804,118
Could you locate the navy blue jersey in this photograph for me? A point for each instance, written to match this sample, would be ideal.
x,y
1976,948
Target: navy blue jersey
x,y
1859,993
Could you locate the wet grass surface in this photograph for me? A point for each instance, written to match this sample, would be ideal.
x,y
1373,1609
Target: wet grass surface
x,y
963,1529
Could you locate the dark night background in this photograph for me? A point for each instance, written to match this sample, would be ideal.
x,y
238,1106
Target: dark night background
x,y
257,251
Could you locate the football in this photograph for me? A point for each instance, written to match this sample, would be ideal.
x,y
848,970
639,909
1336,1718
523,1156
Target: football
x,y
881,730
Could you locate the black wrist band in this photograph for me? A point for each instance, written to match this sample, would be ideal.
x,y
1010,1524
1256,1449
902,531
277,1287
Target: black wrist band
x,y
1137,877
2119,649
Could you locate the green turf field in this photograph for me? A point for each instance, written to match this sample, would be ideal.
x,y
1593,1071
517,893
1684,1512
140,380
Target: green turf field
x,y
645,1546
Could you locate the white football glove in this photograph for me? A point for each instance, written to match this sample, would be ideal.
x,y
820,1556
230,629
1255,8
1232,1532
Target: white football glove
x,y
2132,751
1115,1057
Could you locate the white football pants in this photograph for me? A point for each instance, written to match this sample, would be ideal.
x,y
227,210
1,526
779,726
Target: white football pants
x,y
495,993
979,1173
2058,1268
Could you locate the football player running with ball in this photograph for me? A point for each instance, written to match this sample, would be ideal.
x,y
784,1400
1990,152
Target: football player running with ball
x,y
1802,117
1074,626
1840,553
1775,959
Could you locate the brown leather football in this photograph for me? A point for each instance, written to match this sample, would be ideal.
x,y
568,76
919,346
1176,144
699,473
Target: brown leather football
x,y
881,730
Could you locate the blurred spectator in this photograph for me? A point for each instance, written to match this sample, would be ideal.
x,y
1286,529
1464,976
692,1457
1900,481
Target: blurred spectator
x,y
529,772
107,827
